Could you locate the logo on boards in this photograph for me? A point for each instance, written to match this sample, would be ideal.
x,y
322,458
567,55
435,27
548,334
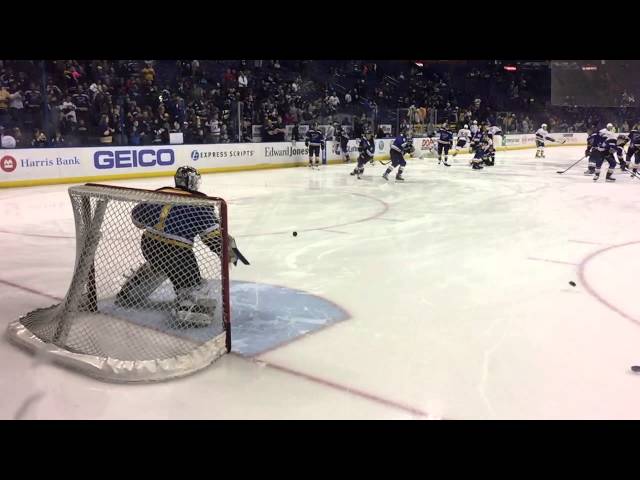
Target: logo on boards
x,y
8,163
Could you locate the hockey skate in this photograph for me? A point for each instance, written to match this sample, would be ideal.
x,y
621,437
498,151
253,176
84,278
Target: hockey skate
x,y
623,166
194,307
399,178
610,178
385,176
355,172
590,171
477,166
596,176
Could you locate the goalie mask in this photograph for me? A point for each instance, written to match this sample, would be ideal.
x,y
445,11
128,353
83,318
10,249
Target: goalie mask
x,y
187,178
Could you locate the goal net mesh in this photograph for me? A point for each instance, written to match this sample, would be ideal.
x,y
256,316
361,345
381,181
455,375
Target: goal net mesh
x,y
143,304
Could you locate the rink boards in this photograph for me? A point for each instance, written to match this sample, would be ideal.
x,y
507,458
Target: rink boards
x,y
42,166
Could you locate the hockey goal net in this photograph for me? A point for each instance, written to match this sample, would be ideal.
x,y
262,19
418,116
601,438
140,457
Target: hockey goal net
x,y
129,312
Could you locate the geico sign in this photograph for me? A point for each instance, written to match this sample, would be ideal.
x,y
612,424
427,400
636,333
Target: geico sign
x,y
106,159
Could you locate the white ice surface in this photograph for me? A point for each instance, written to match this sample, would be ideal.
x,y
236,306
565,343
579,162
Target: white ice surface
x,y
456,282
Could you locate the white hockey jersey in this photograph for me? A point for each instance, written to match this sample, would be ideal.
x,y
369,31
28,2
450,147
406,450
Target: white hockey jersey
x,y
464,133
542,134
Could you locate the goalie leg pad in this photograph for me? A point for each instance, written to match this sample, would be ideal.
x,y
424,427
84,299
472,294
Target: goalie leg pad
x,y
139,286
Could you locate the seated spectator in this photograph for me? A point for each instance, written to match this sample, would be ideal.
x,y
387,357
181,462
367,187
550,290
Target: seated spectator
x,y
57,140
39,139
6,141
17,135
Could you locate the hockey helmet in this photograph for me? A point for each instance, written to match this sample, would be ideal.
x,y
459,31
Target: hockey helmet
x,y
544,125
466,126
187,178
610,127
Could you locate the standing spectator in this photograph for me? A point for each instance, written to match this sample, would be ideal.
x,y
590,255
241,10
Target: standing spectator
x,y
243,82
105,130
16,106
347,98
148,73
214,129
4,104
69,109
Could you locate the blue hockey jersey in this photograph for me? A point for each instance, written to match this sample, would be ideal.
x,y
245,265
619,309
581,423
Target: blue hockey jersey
x,y
402,145
445,136
176,223
315,138
366,147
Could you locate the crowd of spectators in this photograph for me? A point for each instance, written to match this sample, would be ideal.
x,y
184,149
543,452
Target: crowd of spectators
x,y
128,102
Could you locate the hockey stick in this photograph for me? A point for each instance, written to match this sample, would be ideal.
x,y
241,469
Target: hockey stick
x,y
240,256
571,166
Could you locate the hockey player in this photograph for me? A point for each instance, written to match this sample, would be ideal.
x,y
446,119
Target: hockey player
x,y
167,246
633,152
401,145
476,137
342,138
493,132
474,128
607,145
622,140
445,141
541,136
367,149
592,153
315,141
464,137
482,148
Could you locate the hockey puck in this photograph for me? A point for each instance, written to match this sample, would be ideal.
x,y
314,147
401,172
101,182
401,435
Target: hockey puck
x,y
635,368
572,283
295,234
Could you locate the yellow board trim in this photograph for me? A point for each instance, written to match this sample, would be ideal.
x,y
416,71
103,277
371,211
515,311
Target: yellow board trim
x,y
238,168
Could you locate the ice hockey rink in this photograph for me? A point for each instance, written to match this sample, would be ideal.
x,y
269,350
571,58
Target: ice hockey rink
x,y
453,287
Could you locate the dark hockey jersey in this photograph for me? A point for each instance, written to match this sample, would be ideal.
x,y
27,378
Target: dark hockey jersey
x,y
181,223
445,136
634,138
366,148
315,138
402,145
